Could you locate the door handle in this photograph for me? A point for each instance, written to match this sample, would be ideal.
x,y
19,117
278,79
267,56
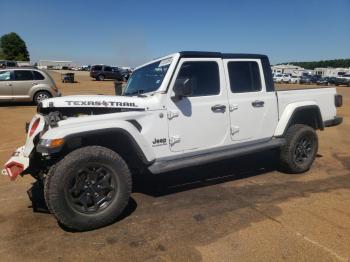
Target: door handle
x,y
258,103
9,84
218,108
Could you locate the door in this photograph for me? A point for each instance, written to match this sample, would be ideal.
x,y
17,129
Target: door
x,y
5,85
109,72
253,111
23,82
200,120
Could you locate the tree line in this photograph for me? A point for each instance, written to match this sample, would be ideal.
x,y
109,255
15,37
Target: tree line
x,y
12,47
323,63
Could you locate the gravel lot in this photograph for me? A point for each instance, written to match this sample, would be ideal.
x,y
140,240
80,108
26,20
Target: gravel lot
x,y
236,210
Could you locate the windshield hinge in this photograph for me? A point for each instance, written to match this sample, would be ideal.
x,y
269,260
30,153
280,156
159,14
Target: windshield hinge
x,y
172,114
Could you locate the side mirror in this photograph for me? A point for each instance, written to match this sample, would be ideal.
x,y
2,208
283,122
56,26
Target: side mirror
x,y
183,87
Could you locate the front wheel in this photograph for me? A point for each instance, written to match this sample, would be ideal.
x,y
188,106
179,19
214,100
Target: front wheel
x,y
300,150
89,188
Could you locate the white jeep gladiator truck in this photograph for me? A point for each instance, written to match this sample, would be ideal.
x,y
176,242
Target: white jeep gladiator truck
x,y
182,110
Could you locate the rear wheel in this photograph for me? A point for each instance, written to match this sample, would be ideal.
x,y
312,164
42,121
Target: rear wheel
x,y
89,188
40,96
300,150
100,77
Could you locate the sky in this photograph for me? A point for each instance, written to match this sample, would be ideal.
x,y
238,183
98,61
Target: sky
x,y
129,33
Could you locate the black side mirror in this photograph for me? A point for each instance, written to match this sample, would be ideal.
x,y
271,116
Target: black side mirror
x,y
183,87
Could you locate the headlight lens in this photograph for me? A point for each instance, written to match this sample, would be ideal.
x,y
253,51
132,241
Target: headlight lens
x,y
51,143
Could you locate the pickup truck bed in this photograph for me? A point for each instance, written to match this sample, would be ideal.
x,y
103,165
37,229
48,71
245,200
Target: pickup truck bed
x,y
323,98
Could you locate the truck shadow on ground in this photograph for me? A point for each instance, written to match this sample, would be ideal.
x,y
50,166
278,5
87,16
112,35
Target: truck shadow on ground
x,y
182,180
207,175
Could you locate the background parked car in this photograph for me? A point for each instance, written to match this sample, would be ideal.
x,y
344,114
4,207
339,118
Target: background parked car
x,y
7,63
339,81
18,84
309,79
282,78
326,81
294,79
102,72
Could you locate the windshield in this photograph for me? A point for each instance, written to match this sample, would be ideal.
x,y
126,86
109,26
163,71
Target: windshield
x,y
148,78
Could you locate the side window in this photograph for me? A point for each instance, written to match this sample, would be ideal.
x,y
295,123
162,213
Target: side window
x,y
203,75
23,75
108,69
244,76
38,76
96,68
5,75
11,64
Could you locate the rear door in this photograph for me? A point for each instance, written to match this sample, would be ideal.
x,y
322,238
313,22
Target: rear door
x,y
199,121
253,111
108,71
23,81
5,86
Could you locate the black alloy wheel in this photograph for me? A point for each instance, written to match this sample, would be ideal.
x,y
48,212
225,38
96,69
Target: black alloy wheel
x,y
91,189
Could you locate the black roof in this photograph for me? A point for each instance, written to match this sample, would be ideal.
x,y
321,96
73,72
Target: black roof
x,y
219,55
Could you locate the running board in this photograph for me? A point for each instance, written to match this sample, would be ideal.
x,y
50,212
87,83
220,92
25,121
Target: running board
x,y
161,166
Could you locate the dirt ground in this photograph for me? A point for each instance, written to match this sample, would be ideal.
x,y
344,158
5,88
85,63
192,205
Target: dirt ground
x,y
236,210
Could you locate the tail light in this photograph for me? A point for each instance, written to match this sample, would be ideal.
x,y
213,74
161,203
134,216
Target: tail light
x,y
34,127
338,100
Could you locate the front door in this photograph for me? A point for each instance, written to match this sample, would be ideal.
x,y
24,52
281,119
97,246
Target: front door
x,y
5,86
253,110
201,120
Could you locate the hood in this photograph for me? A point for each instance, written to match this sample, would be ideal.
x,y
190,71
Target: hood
x,y
64,107
97,101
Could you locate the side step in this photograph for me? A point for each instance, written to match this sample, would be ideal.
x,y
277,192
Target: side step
x,y
161,166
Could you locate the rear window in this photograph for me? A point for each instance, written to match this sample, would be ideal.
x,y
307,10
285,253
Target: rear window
x,y
5,75
108,69
38,76
96,68
23,75
244,76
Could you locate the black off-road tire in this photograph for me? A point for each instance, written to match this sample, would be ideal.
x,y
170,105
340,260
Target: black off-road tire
x,y
46,188
290,152
100,78
58,189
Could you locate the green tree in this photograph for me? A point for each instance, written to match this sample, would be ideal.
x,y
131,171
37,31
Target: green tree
x,y
13,47
323,63
1,54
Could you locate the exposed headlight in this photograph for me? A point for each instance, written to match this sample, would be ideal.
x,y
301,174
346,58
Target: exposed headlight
x,y
51,143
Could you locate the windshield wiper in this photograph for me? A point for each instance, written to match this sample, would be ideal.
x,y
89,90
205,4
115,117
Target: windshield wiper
x,y
137,92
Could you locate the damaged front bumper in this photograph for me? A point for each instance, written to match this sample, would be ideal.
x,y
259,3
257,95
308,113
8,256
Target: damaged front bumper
x,y
17,164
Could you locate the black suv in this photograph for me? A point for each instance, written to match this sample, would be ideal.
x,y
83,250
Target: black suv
x,y
7,63
102,72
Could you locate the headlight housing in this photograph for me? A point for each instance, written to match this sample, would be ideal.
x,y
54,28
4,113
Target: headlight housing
x,y
51,143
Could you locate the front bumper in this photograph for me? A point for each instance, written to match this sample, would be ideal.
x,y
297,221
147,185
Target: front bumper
x,y
17,164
